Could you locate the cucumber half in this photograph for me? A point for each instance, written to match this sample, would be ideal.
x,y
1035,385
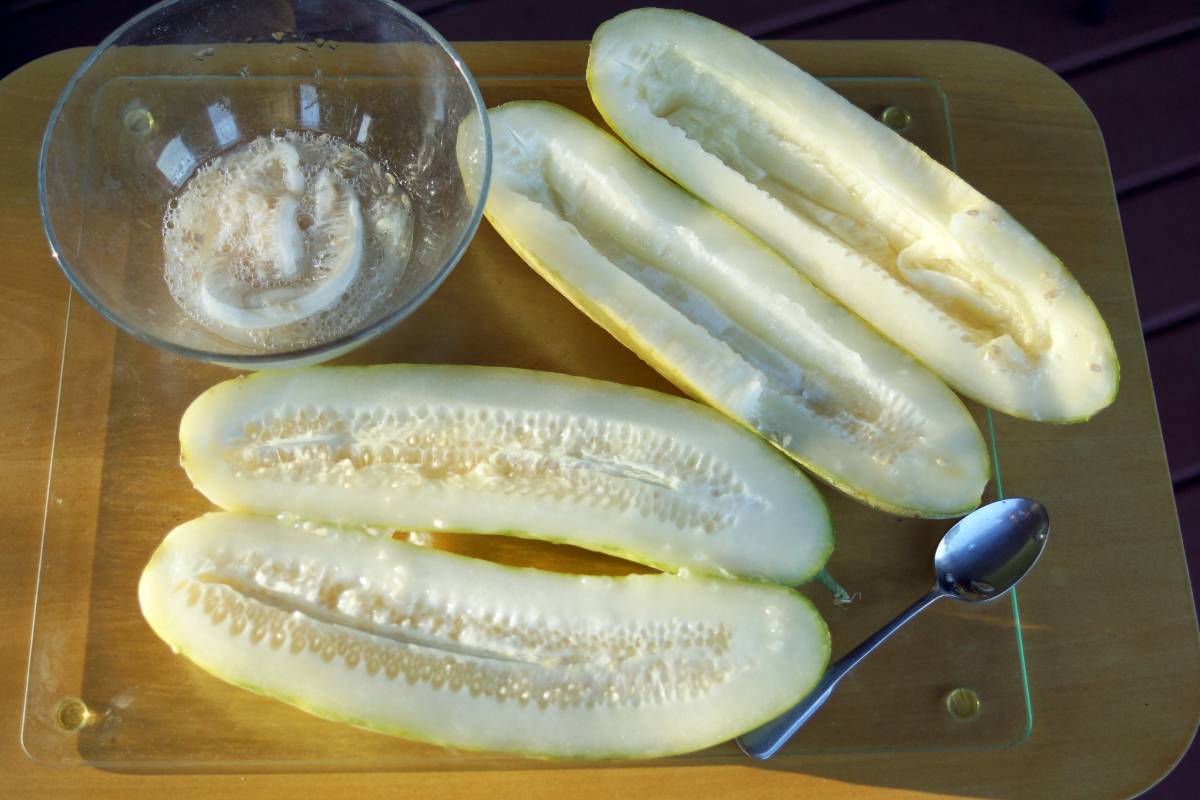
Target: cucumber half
x,y
639,474
725,319
905,243
451,650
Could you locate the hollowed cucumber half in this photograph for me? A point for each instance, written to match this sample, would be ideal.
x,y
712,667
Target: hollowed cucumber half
x,y
654,478
727,320
902,241
441,648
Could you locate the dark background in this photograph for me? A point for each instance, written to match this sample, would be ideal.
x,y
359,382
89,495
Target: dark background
x,y
1135,62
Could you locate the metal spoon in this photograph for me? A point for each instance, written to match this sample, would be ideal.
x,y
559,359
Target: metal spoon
x,y
979,559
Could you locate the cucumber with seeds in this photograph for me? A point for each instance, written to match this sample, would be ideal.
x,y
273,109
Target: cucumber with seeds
x,y
653,478
451,650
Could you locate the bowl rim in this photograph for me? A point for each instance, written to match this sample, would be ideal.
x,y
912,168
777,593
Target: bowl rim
x,y
312,353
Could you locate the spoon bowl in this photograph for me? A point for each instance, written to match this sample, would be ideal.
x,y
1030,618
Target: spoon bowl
x,y
989,550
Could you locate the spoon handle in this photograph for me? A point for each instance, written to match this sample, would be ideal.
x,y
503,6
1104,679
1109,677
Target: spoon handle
x,y
765,740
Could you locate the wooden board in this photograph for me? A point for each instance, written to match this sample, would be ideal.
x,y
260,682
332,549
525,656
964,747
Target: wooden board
x,y
1109,626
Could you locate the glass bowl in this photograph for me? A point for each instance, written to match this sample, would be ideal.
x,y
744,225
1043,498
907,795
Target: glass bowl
x,y
188,80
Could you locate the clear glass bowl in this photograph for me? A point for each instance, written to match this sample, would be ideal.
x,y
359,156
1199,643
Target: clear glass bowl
x,y
189,79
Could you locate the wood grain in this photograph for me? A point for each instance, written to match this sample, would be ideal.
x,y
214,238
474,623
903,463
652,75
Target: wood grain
x,y
1173,359
1164,240
1135,96
1051,32
1114,670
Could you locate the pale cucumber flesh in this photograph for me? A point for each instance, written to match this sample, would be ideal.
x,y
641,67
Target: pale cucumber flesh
x,y
415,642
653,478
726,319
906,244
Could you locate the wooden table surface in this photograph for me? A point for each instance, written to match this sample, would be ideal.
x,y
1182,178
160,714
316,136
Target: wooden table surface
x,y
1109,626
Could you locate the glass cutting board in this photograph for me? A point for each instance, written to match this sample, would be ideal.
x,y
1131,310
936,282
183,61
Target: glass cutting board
x,y
104,691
